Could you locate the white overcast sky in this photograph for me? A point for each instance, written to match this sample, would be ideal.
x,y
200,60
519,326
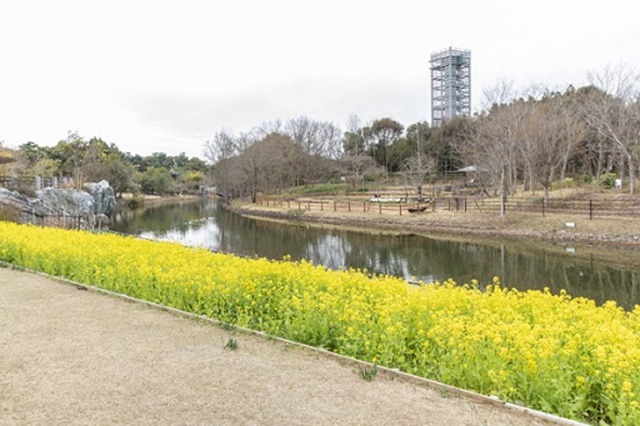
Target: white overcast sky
x,y
163,76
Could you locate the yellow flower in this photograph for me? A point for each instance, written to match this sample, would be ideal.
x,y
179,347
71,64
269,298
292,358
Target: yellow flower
x,y
511,343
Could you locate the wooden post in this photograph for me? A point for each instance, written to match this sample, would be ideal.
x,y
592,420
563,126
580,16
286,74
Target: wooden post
x,y
590,209
364,206
449,201
299,208
380,206
543,207
321,206
349,206
308,205
334,206
465,204
400,209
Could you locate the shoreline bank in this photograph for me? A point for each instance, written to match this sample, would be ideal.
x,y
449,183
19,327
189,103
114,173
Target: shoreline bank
x,y
550,230
157,200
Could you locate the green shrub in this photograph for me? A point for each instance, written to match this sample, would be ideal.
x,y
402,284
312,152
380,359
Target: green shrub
x,y
156,180
585,178
562,184
608,180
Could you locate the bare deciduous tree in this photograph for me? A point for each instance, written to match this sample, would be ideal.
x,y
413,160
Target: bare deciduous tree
x,y
222,146
356,166
501,93
552,135
316,140
615,112
266,163
416,170
494,149
418,167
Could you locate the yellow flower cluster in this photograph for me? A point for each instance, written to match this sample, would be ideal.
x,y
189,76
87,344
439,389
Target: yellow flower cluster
x,y
556,353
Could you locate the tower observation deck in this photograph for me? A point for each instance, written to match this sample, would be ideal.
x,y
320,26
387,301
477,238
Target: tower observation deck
x,y
450,84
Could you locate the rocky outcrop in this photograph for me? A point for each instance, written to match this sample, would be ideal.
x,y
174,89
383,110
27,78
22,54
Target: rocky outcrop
x,y
14,205
64,206
104,197
55,201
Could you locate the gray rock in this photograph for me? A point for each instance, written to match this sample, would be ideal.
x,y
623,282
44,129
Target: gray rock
x,y
59,204
104,197
16,200
70,202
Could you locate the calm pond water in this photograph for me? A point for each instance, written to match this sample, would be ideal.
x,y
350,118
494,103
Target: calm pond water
x,y
523,265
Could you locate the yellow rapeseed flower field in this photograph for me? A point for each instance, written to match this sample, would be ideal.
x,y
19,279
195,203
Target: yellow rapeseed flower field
x,y
555,353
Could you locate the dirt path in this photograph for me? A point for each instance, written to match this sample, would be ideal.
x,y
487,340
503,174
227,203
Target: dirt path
x,y
76,357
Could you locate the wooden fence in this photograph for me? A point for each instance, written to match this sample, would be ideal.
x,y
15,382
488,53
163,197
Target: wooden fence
x,y
66,221
587,208
344,206
33,183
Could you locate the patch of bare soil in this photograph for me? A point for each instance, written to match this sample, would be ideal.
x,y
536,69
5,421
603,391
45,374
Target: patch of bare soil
x,y
77,357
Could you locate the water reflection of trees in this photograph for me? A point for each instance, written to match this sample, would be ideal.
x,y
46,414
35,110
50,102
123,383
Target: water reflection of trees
x,y
430,259
160,219
404,256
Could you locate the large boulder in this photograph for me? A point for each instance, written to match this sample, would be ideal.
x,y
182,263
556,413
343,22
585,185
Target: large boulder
x,y
15,205
58,201
49,204
104,197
